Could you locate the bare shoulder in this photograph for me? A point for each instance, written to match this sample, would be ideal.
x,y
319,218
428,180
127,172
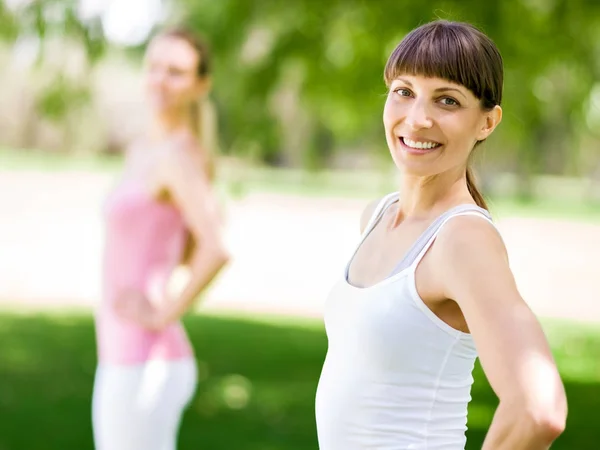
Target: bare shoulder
x,y
470,235
367,213
182,157
474,260
187,184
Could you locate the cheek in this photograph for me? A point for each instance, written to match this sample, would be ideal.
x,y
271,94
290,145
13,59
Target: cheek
x,y
153,80
390,116
461,132
181,87
389,123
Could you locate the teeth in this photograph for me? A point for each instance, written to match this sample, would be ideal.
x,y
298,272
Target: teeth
x,y
420,145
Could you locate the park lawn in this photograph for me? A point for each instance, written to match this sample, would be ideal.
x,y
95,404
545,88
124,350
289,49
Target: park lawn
x,y
562,198
258,381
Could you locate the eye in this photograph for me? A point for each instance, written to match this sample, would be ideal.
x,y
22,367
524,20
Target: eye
x,y
449,101
403,92
176,72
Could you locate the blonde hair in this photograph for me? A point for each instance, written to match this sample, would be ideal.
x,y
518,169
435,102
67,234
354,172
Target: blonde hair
x,y
203,114
204,127
203,117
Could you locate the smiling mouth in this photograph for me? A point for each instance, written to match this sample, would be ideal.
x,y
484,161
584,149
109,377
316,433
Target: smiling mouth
x,y
419,146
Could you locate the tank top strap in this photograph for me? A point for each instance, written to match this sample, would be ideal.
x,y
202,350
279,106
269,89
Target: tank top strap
x,y
383,204
381,207
426,240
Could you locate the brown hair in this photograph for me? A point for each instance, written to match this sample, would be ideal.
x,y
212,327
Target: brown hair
x,y
202,114
202,111
457,52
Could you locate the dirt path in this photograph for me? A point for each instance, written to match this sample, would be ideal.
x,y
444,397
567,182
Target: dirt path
x,y
51,240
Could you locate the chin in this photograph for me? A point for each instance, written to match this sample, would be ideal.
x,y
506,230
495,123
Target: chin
x,y
161,109
421,172
159,102
408,166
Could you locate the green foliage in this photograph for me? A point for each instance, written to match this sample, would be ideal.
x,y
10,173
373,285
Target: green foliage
x,y
51,18
8,24
330,57
338,50
60,97
256,390
44,20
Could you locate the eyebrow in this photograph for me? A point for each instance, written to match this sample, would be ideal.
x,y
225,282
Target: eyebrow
x,y
440,89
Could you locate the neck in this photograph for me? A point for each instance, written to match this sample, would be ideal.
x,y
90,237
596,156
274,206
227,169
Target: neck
x,y
424,197
165,124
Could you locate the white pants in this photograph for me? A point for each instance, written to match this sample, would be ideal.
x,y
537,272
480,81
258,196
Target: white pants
x,y
139,407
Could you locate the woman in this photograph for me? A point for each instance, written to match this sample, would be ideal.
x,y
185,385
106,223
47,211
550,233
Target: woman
x,y
162,212
429,287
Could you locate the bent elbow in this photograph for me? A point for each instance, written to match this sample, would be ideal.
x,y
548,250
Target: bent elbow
x,y
223,257
550,422
220,256
212,258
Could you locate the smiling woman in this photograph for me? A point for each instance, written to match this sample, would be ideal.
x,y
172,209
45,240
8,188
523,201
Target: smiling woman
x,y
428,288
162,206
469,79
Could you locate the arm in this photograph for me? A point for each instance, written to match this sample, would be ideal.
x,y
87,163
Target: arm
x,y
512,347
190,189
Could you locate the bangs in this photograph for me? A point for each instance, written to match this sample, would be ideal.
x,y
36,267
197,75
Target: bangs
x,y
453,52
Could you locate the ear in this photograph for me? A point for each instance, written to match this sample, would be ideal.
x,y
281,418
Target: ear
x,y
492,119
203,86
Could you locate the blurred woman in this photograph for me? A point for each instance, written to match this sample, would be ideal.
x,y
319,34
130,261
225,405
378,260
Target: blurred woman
x,y
162,212
429,288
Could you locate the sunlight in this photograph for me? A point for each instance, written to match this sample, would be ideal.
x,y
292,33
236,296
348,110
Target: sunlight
x,y
125,23
236,390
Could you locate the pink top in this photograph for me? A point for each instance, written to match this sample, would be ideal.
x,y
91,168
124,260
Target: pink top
x,y
144,242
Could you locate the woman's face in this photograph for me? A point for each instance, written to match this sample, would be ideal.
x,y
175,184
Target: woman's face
x,y
171,74
432,125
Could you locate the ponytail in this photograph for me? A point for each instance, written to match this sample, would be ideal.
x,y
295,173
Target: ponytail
x,y
202,114
474,191
204,127
202,117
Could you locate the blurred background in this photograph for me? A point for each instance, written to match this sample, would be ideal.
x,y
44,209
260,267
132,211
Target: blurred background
x,y
298,92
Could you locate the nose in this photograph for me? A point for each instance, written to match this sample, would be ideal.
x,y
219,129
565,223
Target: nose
x,y
418,117
157,77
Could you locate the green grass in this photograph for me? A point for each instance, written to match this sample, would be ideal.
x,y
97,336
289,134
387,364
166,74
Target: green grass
x,y
19,160
562,198
257,389
545,208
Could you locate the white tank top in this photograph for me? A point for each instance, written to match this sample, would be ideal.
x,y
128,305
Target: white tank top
x,y
396,377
